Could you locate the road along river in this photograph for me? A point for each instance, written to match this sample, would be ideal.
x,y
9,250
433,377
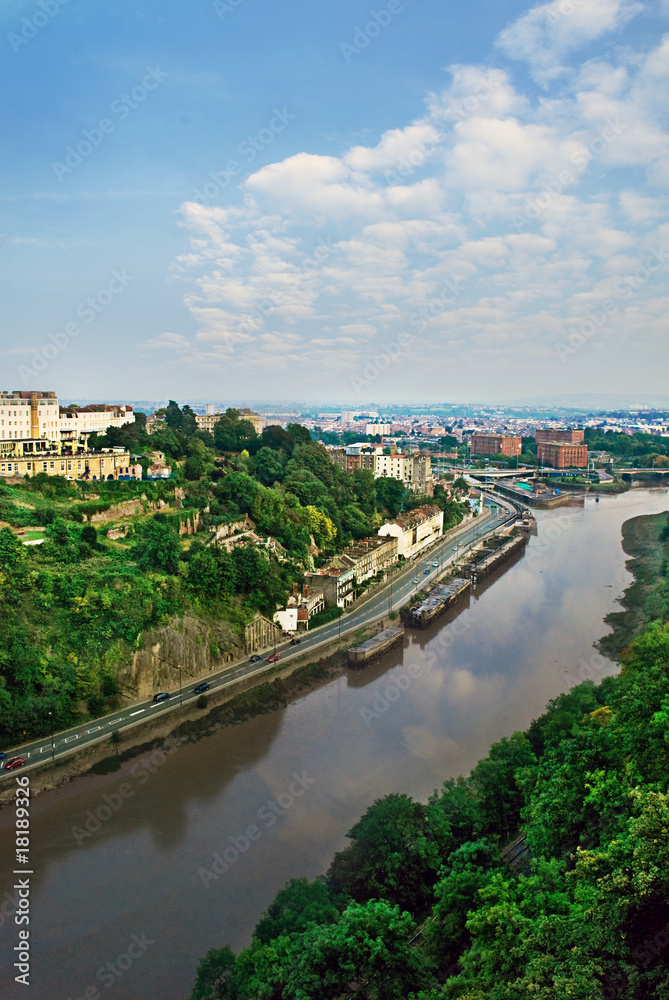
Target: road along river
x,y
138,873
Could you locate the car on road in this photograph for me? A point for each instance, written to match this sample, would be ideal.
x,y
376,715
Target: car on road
x,y
2,756
436,562
427,571
14,762
255,658
163,696
415,580
201,688
295,642
274,657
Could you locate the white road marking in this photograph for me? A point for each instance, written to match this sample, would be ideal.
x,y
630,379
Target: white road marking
x,y
94,729
70,738
138,712
114,721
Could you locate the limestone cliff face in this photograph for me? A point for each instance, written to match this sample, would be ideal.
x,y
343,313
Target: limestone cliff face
x,y
197,647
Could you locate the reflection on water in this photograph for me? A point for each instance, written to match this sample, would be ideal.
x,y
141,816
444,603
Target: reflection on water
x,y
300,777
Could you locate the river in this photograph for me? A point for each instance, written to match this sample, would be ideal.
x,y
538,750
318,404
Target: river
x,y
140,892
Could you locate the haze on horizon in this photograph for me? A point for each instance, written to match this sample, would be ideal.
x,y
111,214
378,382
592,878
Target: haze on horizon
x,y
324,204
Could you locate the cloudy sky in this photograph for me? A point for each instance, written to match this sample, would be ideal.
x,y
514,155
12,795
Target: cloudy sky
x,y
415,200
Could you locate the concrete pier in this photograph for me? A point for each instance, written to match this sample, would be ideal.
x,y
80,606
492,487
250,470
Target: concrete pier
x,y
360,656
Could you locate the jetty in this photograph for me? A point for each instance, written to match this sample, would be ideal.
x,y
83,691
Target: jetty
x,y
438,600
360,656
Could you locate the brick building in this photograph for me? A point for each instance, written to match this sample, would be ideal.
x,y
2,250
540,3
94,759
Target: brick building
x,y
495,444
562,456
559,437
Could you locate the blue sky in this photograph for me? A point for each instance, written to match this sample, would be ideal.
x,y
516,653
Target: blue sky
x,y
414,200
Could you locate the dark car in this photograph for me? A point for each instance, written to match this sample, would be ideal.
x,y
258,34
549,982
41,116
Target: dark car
x,y
427,571
274,657
255,658
286,634
14,762
2,756
295,642
201,688
163,696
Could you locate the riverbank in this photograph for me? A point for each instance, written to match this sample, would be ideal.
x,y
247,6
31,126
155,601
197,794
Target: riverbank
x,y
226,707
646,540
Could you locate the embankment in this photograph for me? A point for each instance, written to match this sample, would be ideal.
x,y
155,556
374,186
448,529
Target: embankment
x,y
646,540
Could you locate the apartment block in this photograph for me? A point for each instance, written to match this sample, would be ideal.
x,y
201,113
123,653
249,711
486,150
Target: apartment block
x,y
562,456
495,444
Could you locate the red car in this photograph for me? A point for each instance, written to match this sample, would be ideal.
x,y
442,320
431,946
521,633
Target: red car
x,y
14,762
273,658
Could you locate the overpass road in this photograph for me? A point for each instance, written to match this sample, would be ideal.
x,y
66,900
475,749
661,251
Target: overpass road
x,y
392,595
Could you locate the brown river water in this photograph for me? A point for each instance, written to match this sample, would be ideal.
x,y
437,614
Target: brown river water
x,y
195,846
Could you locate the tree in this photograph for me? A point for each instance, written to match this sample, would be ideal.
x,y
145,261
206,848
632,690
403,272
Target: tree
x,y
194,467
297,905
390,493
12,550
250,566
215,978
158,546
390,855
89,535
270,466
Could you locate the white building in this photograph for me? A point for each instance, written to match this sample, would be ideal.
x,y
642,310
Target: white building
x,y
26,416
415,530
77,423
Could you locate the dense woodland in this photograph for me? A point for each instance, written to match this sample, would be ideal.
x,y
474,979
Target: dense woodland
x,y
421,906
73,609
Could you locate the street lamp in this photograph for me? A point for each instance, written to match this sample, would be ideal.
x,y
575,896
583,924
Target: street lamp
x,y
181,699
53,747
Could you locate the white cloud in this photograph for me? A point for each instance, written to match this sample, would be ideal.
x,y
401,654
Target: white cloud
x,y
325,259
546,34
